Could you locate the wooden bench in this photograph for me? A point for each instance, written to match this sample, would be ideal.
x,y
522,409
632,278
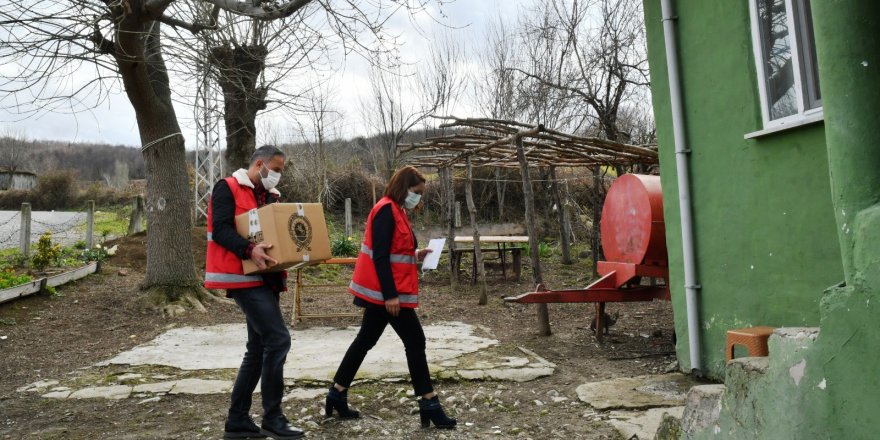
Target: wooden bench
x,y
500,251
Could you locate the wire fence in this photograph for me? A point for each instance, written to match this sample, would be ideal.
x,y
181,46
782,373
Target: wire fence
x,y
66,227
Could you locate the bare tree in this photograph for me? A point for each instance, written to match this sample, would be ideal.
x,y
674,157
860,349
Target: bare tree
x,y
586,70
318,126
14,152
391,110
602,62
104,45
74,53
496,85
253,60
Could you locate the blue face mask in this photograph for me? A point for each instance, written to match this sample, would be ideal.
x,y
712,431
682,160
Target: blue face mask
x,y
412,199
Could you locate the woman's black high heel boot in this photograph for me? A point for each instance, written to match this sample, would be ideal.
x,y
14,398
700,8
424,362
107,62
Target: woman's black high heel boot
x,y
338,400
430,410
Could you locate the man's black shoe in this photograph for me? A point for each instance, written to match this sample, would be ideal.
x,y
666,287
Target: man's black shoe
x,y
242,430
280,429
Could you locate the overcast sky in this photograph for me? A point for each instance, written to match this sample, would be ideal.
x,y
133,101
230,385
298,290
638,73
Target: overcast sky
x,y
113,122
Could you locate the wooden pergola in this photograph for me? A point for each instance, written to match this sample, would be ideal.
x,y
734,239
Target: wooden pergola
x,y
508,144
492,142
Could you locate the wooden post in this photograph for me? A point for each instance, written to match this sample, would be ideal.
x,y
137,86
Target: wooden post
x,y
90,224
543,313
347,217
457,215
598,187
499,191
446,174
560,211
136,223
480,273
25,244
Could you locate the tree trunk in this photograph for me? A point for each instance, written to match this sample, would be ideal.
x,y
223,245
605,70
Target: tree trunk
x,y
543,312
170,274
238,72
446,175
561,214
478,252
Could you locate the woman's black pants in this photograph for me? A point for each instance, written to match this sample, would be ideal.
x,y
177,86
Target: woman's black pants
x,y
407,327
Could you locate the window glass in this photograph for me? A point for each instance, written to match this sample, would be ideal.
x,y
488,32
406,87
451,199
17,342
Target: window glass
x,y
779,72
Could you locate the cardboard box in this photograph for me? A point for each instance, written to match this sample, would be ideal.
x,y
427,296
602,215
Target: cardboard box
x,y
296,231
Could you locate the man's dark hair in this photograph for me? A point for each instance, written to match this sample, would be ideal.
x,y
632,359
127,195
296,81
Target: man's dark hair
x,y
266,153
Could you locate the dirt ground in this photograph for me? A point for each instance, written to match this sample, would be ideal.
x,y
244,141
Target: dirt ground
x,y
97,318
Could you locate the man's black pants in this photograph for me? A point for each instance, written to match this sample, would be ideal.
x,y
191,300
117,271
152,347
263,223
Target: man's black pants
x,y
407,327
267,347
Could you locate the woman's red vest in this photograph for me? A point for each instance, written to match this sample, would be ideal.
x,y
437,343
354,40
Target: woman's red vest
x,y
365,281
223,268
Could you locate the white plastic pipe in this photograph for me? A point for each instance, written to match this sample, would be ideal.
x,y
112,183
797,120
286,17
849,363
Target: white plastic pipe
x,y
684,190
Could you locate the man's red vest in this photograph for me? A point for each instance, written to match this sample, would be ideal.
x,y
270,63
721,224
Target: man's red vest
x,y
365,281
223,268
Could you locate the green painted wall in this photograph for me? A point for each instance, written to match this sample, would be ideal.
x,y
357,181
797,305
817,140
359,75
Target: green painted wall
x,y
815,387
766,244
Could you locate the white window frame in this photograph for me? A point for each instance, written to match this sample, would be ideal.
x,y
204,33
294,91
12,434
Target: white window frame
x,y
803,116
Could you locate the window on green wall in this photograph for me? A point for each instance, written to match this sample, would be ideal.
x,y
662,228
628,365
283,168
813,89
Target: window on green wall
x,y
785,54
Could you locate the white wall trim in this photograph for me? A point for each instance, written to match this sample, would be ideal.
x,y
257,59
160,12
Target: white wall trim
x,y
806,119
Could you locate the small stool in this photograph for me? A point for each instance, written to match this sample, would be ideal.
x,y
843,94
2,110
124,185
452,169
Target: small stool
x,y
753,338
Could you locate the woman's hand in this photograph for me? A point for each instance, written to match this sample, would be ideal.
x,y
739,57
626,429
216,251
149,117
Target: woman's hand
x,y
421,253
393,306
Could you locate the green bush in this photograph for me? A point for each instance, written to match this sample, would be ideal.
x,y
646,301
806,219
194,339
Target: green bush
x,y
56,190
342,246
11,259
47,253
12,199
544,250
8,278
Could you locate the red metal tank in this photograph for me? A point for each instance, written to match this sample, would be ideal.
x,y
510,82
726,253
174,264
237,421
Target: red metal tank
x,y
632,221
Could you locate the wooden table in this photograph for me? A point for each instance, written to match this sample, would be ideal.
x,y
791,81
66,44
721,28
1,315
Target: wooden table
x,y
501,243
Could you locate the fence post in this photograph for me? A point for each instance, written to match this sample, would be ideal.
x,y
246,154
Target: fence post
x,y
90,224
348,217
457,215
25,244
136,223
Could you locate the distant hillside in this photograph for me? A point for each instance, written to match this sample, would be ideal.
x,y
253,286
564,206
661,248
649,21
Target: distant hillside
x,y
90,161
96,162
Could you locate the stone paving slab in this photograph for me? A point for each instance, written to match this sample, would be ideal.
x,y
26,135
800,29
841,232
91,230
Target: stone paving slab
x,y
201,386
154,388
642,425
316,352
109,392
304,394
454,352
639,392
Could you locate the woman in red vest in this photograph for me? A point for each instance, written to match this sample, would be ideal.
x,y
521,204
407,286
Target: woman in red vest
x,y
386,285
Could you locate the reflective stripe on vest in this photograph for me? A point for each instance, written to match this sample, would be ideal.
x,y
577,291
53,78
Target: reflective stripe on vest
x,y
394,258
232,278
210,236
375,295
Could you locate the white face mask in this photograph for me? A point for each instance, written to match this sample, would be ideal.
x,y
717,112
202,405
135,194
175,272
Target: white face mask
x,y
271,180
412,199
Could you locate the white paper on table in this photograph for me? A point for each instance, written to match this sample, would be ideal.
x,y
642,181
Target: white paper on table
x,y
432,259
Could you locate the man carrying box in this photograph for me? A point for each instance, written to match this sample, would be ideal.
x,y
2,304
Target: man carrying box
x,y
256,295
